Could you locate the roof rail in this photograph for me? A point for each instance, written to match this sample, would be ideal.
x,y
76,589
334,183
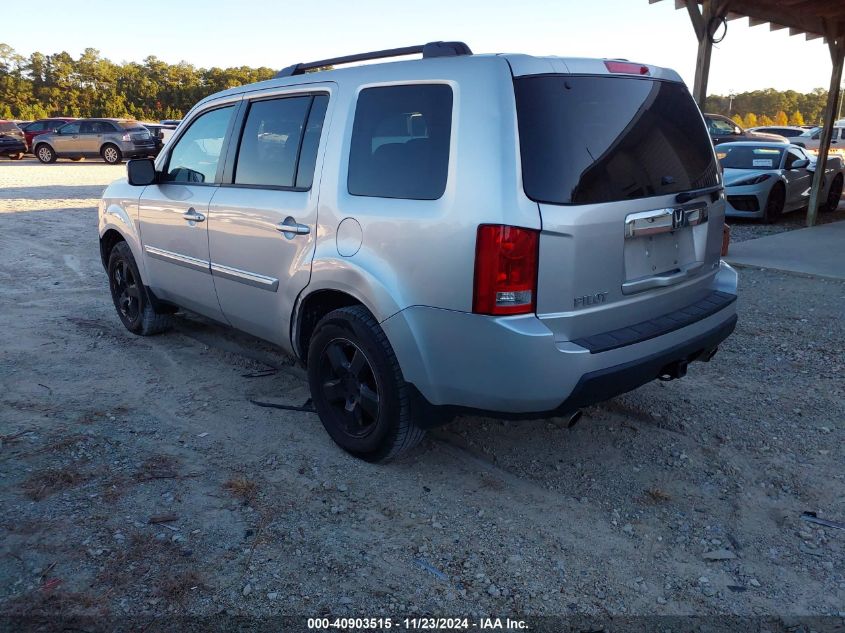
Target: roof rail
x,y
431,49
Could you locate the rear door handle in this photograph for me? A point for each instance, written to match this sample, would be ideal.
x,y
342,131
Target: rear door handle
x,y
191,215
291,228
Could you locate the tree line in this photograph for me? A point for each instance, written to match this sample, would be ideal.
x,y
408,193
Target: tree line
x,y
771,107
42,85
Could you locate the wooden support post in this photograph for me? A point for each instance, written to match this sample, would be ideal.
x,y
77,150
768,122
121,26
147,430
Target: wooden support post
x,y
837,56
704,23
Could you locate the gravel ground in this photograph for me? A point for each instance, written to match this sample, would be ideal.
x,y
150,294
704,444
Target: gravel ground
x,y
742,229
137,479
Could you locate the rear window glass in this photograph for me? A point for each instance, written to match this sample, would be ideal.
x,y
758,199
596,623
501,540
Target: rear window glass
x,y
749,157
7,127
400,142
589,139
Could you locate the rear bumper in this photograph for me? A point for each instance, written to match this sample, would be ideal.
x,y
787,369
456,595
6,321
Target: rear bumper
x,y
7,149
513,365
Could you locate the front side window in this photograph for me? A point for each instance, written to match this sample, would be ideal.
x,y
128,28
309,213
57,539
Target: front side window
x,y
720,127
270,142
792,156
70,128
590,139
195,156
400,142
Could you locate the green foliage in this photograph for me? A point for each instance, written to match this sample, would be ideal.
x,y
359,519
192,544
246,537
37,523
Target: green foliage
x,y
772,103
797,118
58,85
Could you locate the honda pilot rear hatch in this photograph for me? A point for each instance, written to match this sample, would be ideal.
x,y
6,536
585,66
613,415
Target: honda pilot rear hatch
x,y
627,184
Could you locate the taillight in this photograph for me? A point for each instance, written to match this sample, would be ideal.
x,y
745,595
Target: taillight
x,y
505,270
627,67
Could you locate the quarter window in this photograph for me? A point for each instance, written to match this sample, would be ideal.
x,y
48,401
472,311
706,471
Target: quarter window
x,y
195,156
400,142
311,141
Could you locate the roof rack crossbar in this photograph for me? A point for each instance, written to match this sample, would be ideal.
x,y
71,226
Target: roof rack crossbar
x,y
431,49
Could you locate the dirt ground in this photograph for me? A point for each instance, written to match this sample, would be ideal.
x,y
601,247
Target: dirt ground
x,y
137,479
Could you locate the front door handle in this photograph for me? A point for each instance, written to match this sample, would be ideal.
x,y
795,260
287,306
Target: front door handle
x,y
191,215
291,228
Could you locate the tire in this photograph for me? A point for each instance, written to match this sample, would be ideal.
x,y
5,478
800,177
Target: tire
x,y
357,387
45,153
111,154
834,195
774,204
130,298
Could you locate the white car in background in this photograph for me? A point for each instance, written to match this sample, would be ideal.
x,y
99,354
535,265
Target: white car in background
x,y
837,141
764,180
794,134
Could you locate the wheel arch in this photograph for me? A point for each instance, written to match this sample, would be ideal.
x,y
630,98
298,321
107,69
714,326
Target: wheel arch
x,y
39,144
337,282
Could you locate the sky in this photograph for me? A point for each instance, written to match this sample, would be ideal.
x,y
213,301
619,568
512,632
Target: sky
x,y
278,33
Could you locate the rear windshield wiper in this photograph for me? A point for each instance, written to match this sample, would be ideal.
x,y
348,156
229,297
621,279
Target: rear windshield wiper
x,y
686,196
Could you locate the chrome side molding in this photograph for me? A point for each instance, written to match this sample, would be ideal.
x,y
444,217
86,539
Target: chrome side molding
x,y
245,277
180,260
225,272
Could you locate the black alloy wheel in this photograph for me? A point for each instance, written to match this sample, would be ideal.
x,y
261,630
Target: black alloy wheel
x,y
126,292
350,388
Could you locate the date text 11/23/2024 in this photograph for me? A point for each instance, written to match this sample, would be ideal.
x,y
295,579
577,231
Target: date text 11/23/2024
x,y
414,624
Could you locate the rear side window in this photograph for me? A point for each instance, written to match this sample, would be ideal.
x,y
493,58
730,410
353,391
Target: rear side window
x,y
195,156
588,139
400,142
271,140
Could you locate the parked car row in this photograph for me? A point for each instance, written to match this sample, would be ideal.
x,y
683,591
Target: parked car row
x,y
66,137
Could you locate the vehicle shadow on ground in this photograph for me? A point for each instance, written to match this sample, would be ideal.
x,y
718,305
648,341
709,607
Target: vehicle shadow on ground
x,y
31,161
52,192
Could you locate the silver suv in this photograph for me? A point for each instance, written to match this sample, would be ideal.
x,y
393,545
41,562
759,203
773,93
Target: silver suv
x,y
111,139
515,235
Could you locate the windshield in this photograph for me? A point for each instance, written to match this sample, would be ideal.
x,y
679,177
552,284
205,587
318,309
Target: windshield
x,y
588,139
749,157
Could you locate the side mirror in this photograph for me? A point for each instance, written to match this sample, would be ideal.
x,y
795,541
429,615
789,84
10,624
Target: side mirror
x,y
141,172
801,163
737,131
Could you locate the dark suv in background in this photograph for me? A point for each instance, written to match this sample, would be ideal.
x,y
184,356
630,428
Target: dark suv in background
x,y
12,140
724,130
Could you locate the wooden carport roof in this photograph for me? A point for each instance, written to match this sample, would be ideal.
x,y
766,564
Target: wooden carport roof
x,y
815,19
